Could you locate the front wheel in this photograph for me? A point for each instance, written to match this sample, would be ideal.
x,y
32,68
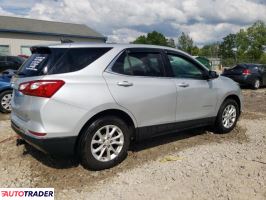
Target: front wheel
x,y
104,143
227,116
5,101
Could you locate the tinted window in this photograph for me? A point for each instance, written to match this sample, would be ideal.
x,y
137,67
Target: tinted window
x,y
139,64
76,59
250,66
121,65
2,58
239,67
41,61
16,60
59,60
183,68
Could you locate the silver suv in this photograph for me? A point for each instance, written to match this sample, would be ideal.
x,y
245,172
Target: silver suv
x,y
91,100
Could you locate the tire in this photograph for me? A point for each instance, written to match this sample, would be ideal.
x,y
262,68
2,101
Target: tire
x,y
92,161
256,84
220,125
5,101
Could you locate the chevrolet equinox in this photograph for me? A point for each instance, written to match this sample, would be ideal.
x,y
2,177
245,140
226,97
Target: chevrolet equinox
x,y
91,100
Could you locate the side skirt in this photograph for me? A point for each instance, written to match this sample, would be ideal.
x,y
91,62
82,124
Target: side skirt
x,y
162,129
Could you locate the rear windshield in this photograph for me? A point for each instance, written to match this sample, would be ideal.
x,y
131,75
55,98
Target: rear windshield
x,y
59,60
246,66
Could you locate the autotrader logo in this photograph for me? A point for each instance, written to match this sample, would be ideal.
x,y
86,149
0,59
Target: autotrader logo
x,y
27,193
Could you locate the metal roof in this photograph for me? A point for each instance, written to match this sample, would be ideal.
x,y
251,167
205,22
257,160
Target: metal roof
x,y
112,45
42,27
96,44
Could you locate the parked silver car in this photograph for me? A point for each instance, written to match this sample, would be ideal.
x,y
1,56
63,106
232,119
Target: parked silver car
x,y
91,100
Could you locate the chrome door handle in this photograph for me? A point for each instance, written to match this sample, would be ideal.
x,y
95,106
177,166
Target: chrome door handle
x,y
124,84
183,84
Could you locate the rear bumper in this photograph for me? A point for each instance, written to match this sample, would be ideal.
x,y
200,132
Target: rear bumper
x,y
63,146
241,79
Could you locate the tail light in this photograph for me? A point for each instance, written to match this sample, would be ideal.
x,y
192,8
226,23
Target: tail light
x,y
246,72
41,88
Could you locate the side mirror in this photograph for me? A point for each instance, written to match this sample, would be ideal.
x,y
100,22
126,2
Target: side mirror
x,y
213,75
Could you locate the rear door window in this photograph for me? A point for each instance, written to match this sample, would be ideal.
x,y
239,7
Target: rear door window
x,y
140,64
59,60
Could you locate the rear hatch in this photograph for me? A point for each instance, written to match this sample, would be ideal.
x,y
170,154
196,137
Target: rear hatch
x,y
46,61
34,68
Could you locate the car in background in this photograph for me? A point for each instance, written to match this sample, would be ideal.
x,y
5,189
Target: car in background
x,y
205,61
10,62
6,90
23,56
253,75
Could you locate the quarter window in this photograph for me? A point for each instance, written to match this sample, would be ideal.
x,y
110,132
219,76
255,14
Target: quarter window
x,y
184,69
76,59
139,64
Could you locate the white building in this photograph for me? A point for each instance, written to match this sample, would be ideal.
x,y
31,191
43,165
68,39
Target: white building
x,y
17,35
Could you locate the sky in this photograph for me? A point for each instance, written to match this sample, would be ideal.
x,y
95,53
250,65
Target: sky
x,y
206,21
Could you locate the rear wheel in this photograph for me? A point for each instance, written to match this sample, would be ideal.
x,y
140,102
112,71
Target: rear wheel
x,y
5,101
256,84
227,116
104,143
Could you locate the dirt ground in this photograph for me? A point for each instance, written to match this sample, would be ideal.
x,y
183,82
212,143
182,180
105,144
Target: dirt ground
x,y
195,164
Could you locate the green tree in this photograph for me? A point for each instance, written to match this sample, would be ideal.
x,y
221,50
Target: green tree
x,y
141,40
263,58
171,43
227,50
210,50
244,46
185,43
154,38
195,51
257,39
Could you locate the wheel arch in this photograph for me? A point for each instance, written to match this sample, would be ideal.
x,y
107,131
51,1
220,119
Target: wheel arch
x,y
5,89
108,112
236,98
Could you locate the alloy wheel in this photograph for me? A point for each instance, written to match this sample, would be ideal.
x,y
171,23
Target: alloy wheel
x,y
107,143
229,116
6,102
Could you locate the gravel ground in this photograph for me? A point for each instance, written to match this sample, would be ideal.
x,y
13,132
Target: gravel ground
x,y
189,165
